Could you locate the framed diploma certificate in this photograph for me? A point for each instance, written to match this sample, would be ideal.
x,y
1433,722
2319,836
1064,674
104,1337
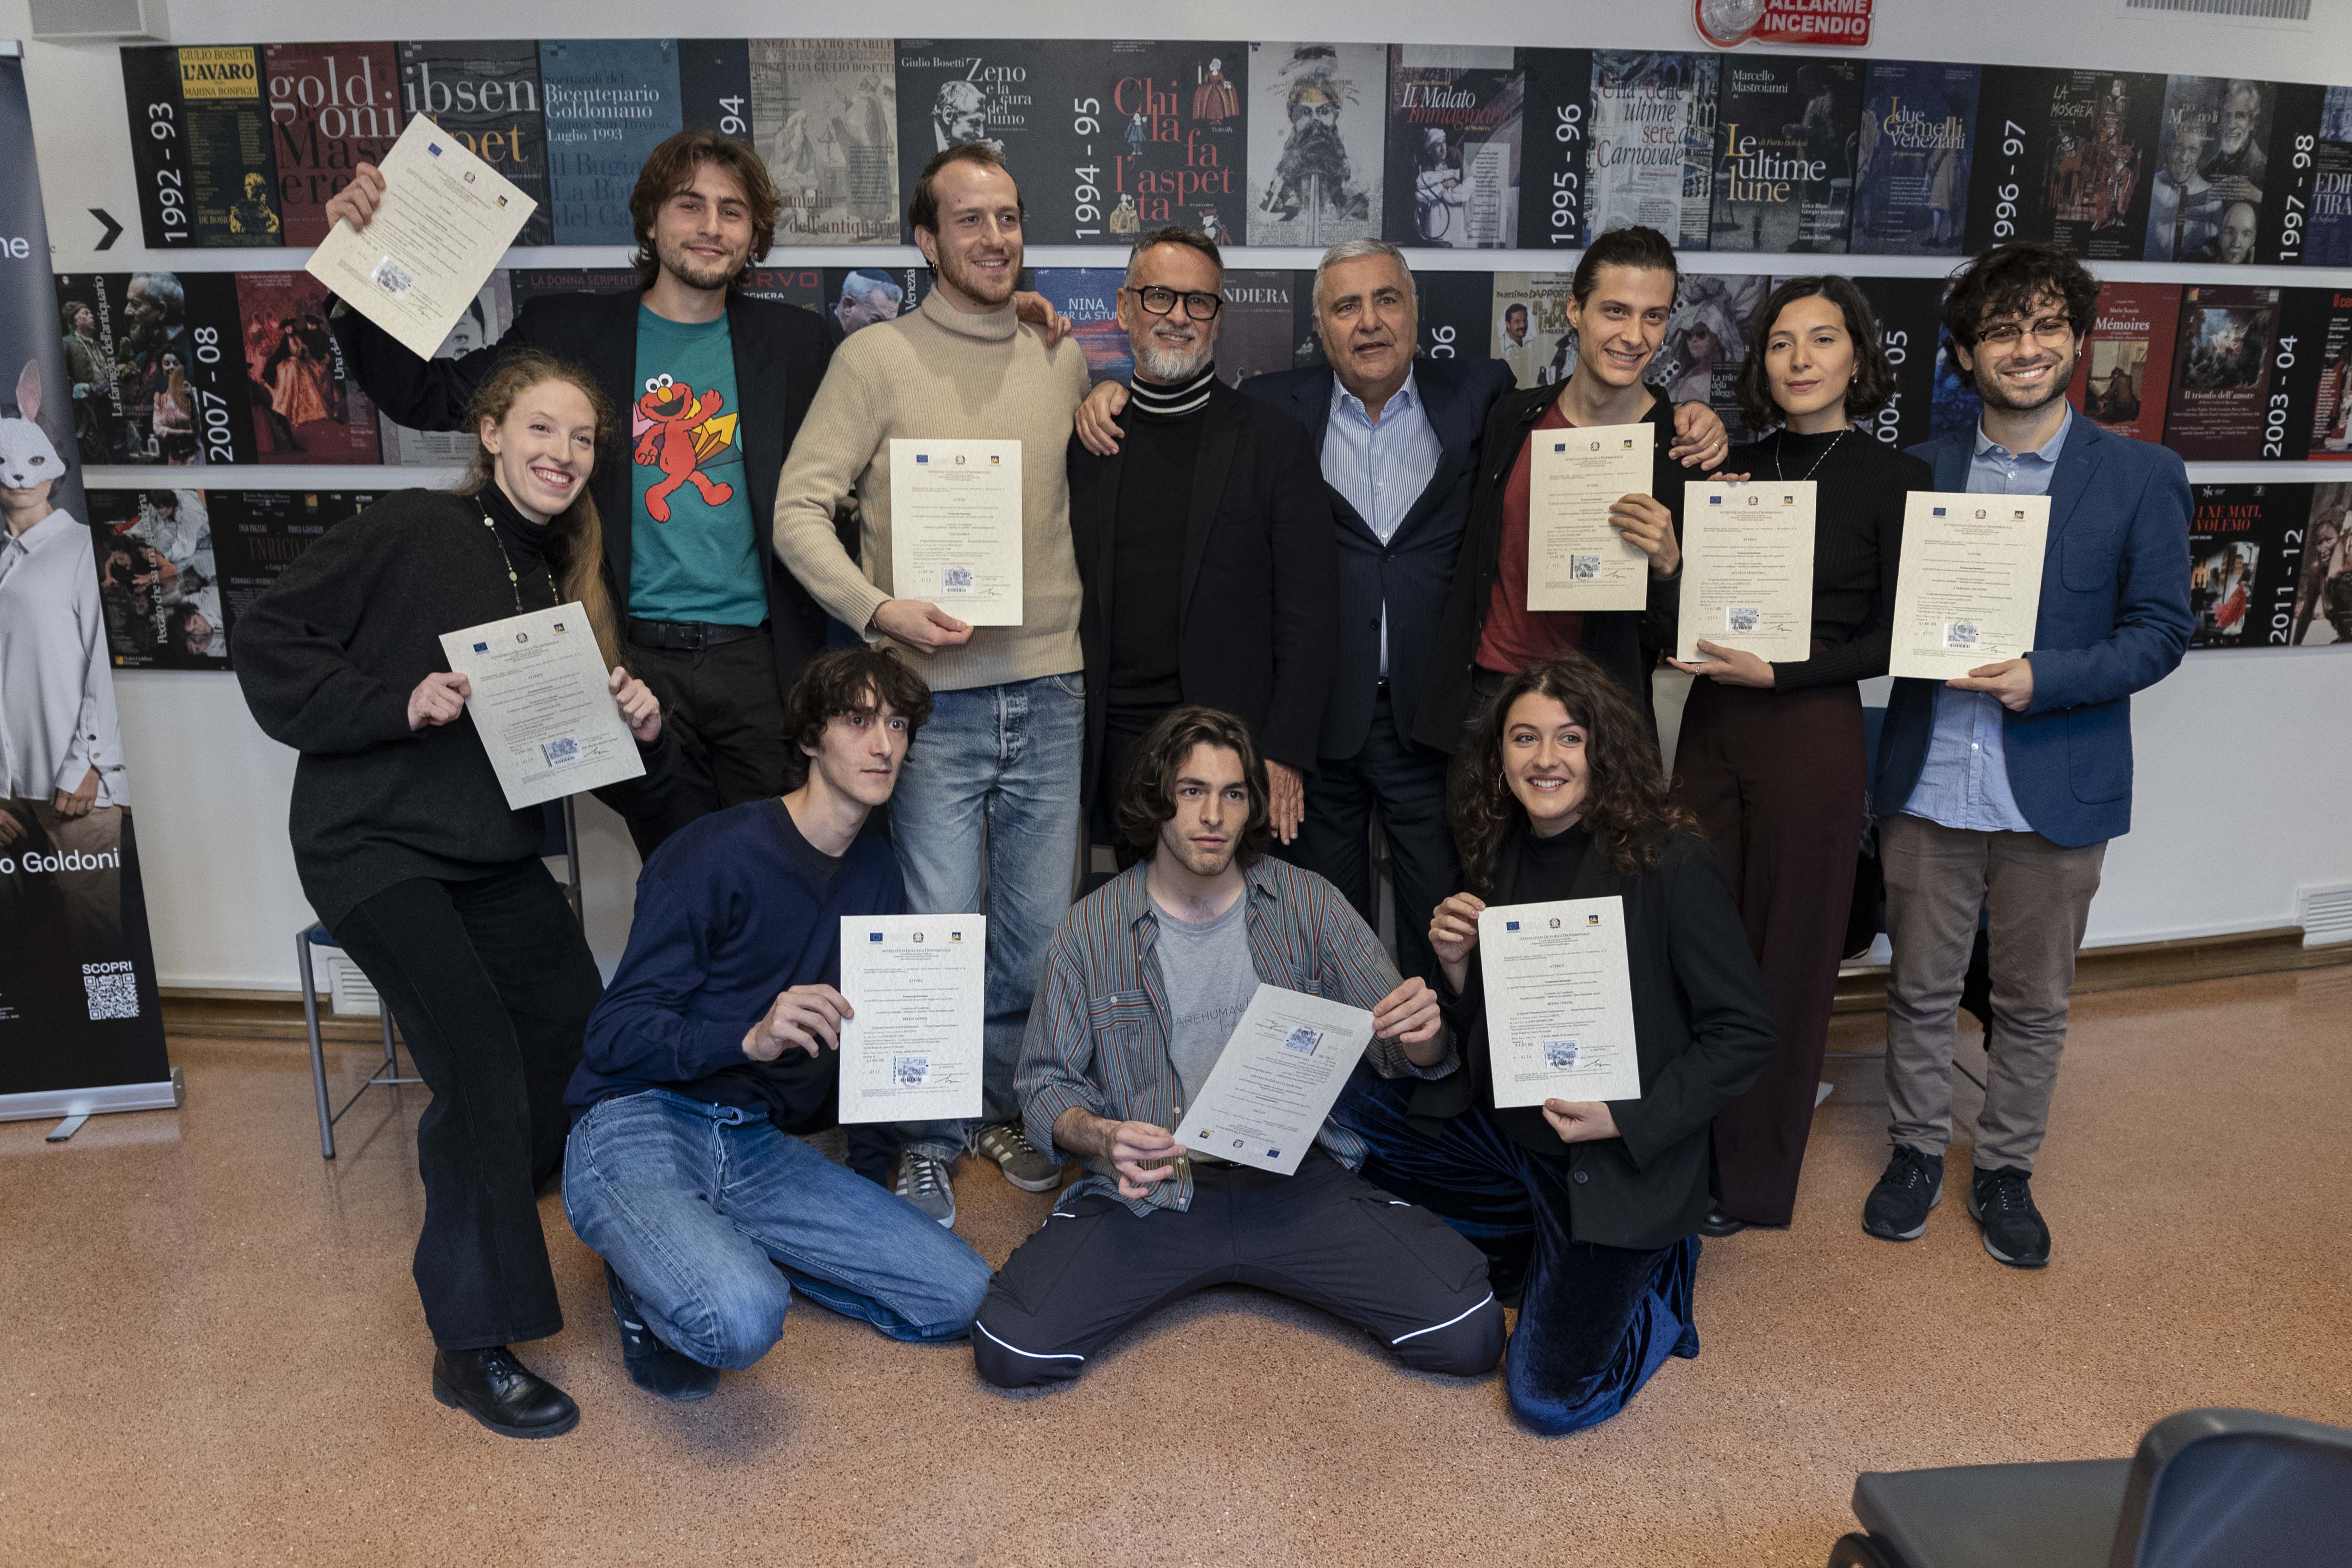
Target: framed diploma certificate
x,y
1748,569
1559,1002
916,985
955,528
540,704
1969,588
1275,1081
445,221
1576,561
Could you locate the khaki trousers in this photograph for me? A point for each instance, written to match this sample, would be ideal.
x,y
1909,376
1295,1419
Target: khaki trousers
x,y
2036,896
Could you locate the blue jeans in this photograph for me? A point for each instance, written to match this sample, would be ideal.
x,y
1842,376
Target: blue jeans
x,y
998,763
699,1206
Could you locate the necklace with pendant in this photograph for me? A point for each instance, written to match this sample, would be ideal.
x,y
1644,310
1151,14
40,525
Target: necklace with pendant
x,y
514,584
1780,441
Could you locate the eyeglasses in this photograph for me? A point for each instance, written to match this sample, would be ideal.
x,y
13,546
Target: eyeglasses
x,y
2048,330
1158,301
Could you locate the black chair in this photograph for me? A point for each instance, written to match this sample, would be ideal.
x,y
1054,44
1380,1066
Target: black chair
x,y
563,840
2208,1488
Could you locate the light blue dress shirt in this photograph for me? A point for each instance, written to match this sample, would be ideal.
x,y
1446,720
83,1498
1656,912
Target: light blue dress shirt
x,y
1380,469
1965,783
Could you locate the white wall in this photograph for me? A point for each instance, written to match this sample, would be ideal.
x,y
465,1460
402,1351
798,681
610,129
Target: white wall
x,y
2235,751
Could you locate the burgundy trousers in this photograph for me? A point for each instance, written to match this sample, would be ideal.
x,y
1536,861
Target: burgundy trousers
x,y
1775,781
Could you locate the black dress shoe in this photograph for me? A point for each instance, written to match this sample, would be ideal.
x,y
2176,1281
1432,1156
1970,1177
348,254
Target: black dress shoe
x,y
660,1370
502,1394
1719,1223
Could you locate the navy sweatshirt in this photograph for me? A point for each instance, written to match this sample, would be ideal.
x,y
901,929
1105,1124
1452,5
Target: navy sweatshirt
x,y
731,909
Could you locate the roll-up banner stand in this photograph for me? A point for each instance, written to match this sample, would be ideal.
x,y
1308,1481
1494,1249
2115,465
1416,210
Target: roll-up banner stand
x,y
80,1030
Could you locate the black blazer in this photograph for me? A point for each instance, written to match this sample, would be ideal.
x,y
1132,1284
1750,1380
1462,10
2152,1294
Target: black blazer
x,y
781,354
1702,1029
1259,602
1409,574
1625,643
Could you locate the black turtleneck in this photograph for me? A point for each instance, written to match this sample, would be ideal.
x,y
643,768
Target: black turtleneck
x,y
1857,543
1162,446
525,544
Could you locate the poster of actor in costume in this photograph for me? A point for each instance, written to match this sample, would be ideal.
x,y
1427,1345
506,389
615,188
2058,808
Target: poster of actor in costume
x,y
1315,142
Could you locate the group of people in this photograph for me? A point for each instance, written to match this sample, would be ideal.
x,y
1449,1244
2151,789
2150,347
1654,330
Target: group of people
x,y
1224,669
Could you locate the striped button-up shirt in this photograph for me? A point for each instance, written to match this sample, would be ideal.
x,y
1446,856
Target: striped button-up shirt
x,y
1098,1037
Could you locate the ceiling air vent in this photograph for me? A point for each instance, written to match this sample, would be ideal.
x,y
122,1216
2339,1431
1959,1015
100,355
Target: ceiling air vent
x,y
2296,14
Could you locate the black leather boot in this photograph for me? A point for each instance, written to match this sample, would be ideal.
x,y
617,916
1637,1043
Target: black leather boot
x,y
502,1394
658,1369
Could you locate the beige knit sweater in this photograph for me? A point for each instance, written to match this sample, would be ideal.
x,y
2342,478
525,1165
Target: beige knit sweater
x,y
942,373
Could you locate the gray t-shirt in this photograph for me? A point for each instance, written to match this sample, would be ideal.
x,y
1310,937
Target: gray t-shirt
x,y
1210,980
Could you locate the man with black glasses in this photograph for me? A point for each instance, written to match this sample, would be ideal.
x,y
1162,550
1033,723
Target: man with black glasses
x,y
1205,544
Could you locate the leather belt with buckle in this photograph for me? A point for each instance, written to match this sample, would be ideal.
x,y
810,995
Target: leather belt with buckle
x,y
689,637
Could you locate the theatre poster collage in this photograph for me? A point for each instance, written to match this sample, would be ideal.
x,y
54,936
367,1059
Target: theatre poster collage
x,y
1295,145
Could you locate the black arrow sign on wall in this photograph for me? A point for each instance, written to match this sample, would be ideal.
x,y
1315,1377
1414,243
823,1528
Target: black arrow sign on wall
x,y
114,229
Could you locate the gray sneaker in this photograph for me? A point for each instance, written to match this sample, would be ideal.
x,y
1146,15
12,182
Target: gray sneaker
x,y
1019,1159
923,1181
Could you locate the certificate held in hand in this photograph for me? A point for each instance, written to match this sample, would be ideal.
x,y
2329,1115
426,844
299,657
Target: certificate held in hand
x,y
541,705
1559,1002
917,985
445,220
1747,570
1968,590
1576,558
955,528
1275,1081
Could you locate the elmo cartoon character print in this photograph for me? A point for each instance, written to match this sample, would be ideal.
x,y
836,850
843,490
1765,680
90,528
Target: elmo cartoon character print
x,y
684,436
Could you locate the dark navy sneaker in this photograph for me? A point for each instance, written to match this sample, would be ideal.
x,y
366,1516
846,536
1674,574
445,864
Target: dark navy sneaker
x,y
1912,1184
660,1370
2001,1202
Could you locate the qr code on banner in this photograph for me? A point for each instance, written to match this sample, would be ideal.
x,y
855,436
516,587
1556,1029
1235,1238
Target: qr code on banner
x,y
392,277
911,1072
559,751
1959,634
114,991
1740,618
1583,568
1559,1053
955,579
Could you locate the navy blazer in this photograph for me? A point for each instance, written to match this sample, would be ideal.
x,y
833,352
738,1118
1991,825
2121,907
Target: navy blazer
x,y
2114,620
1411,573
781,354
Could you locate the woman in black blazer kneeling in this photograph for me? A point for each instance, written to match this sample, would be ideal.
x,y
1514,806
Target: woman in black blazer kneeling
x,y
1589,1211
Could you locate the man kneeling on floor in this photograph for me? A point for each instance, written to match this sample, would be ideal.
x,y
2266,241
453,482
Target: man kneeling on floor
x,y
1143,984
717,1041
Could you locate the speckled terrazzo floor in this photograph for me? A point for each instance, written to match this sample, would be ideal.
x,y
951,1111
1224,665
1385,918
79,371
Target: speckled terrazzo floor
x,y
214,1355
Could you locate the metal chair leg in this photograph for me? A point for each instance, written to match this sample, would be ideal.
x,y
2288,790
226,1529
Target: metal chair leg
x,y
391,1062
318,1047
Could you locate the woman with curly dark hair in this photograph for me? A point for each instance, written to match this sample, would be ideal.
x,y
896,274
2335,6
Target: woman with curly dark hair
x,y
1587,1210
1770,757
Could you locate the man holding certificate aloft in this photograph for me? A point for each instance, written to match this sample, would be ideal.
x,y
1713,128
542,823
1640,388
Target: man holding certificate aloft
x,y
949,426
1570,544
411,853
1204,949
1586,1200
1999,788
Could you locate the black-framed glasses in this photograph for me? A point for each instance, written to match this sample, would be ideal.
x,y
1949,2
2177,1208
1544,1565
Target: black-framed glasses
x,y
1158,301
2048,330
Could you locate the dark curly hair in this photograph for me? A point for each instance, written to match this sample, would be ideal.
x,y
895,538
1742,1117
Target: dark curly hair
x,y
2006,282
849,680
1626,805
1873,379
1147,797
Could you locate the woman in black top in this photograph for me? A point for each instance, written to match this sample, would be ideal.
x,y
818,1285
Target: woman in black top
x,y
1771,758
409,853
1586,1210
